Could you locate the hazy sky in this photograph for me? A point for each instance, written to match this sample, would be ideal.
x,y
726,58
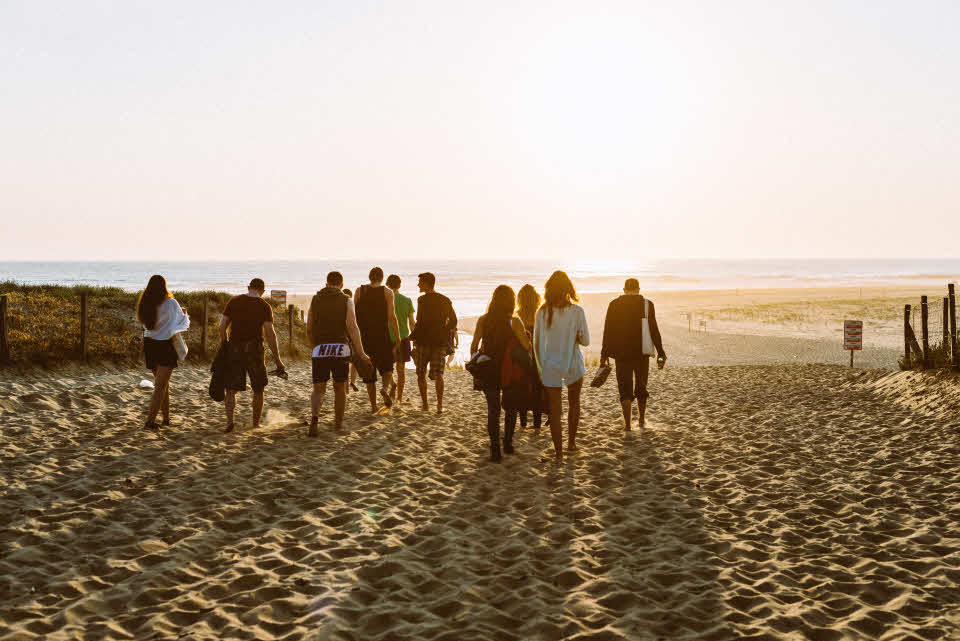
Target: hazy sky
x,y
133,129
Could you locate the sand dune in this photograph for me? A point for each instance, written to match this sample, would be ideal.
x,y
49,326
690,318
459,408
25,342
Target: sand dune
x,y
765,502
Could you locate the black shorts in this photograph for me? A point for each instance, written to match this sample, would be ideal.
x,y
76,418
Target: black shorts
x,y
382,360
243,359
406,350
324,367
632,376
159,353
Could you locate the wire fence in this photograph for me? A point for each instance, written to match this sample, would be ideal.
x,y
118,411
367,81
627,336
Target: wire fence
x,y
941,338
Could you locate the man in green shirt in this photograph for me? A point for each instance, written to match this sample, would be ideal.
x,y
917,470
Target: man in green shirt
x,y
407,321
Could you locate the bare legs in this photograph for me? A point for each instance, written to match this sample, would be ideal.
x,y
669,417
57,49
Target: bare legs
x,y
257,407
160,400
555,401
230,404
339,404
627,408
422,385
438,385
573,398
401,380
386,384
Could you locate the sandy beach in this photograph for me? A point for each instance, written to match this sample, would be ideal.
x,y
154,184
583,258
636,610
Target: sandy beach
x,y
763,502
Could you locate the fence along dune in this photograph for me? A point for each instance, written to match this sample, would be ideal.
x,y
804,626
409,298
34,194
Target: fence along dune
x,y
42,324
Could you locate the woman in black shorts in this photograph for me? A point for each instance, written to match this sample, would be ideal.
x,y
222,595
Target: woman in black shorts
x,y
162,319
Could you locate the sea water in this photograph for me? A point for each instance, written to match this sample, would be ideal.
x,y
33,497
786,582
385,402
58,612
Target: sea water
x,y
469,283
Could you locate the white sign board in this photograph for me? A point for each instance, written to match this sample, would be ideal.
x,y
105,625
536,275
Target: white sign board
x,y
853,334
279,295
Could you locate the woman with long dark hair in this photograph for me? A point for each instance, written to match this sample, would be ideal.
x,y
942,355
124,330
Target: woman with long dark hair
x,y
559,330
497,332
162,318
528,301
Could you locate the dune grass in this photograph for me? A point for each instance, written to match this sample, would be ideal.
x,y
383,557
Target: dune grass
x,y
44,324
828,311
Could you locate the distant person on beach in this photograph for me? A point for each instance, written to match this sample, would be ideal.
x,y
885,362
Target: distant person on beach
x,y
528,302
247,318
511,378
377,318
333,334
435,323
630,341
405,319
559,330
162,319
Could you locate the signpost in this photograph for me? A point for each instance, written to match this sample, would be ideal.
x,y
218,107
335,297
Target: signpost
x,y
279,295
852,337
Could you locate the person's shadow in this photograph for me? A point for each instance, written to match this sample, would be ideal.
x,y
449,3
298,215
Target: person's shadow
x,y
605,546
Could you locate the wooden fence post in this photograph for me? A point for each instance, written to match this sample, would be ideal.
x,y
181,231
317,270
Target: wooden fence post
x,y
290,311
924,317
946,322
954,357
906,337
4,345
83,326
203,328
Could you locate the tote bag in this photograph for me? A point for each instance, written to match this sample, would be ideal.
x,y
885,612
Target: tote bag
x,y
645,326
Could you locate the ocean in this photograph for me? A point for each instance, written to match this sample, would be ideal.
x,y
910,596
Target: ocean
x,y
470,282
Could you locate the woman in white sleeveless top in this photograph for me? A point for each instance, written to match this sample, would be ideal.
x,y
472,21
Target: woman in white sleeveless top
x,y
559,331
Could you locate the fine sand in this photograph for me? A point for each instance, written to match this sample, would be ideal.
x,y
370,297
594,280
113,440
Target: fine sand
x,y
763,502
769,326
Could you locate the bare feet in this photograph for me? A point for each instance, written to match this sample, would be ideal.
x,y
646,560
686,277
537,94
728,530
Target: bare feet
x,y
314,432
229,428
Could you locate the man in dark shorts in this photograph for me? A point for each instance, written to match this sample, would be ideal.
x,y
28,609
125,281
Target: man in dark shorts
x,y
436,323
247,318
331,332
627,341
407,322
377,318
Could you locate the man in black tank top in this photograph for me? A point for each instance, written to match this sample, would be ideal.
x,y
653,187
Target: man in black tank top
x,y
331,332
376,316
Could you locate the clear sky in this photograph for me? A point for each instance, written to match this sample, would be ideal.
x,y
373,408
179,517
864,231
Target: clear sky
x,y
135,129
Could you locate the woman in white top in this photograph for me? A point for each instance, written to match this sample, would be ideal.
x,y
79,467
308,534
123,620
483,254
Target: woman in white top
x,y
162,318
559,331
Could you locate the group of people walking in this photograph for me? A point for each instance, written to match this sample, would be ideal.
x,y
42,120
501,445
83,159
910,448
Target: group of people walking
x,y
522,356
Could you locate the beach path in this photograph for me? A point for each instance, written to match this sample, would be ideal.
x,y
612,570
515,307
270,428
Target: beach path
x,y
763,502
